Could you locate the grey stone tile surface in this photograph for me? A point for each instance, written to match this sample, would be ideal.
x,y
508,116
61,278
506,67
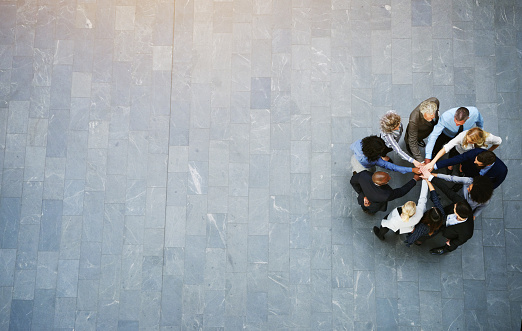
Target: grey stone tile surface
x,y
173,165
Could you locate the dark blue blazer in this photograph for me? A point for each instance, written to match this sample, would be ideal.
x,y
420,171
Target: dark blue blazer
x,y
497,173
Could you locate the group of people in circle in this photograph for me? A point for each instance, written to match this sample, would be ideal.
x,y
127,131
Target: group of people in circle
x,y
458,132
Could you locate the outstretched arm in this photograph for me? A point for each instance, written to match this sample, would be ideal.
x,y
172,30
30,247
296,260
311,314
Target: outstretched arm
x,y
401,191
437,130
455,179
392,166
388,138
431,165
423,199
435,199
469,155
453,196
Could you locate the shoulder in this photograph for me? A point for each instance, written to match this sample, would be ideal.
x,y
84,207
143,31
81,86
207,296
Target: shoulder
x,y
449,114
473,152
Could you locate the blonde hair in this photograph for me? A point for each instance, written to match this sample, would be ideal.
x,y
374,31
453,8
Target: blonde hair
x,y
390,121
428,107
408,210
477,136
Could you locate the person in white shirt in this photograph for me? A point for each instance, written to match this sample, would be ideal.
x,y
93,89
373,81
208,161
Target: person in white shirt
x,y
403,219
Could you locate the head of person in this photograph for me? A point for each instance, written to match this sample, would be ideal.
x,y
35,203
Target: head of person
x,y
373,147
485,159
381,178
390,121
433,219
428,109
481,189
408,210
463,210
461,116
475,136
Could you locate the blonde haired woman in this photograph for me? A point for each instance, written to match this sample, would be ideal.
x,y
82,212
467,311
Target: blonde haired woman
x,y
468,140
403,219
391,132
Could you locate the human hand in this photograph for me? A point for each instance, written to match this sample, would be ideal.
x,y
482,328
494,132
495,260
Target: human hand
x,y
430,166
416,177
425,172
426,161
367,202
417,164
416,171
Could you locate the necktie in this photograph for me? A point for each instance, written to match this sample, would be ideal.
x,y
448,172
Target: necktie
x,y
461,128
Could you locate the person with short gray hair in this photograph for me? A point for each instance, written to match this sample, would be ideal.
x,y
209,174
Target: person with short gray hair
x,y
421,122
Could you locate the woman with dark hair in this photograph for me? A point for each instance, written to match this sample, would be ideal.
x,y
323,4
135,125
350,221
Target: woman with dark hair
x,y
368,152
430,222
477,191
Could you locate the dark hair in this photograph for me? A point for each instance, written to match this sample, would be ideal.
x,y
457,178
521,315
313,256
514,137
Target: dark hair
x,y
462,114
482,189
373,147
432,218
487,157
463,209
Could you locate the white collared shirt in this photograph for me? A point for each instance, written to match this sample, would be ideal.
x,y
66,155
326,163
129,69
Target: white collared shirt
x,y
453,220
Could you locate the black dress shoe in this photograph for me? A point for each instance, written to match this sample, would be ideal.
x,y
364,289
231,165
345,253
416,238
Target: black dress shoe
x,y
437,251
376,232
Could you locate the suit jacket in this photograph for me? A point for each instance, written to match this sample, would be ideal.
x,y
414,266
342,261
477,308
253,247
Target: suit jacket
x,y
497,173
378,195
458,234
418,129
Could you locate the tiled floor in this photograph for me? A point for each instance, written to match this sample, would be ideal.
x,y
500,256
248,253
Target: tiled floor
x,y
185,165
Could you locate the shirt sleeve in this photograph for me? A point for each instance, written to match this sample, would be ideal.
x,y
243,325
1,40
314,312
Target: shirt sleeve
x,y
480,121
393,143
456,179
423,199
454,142
479,209
392,166
491,140
437,130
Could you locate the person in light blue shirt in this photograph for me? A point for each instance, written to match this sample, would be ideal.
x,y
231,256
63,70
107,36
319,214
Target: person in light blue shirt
x,y
368,152
451,123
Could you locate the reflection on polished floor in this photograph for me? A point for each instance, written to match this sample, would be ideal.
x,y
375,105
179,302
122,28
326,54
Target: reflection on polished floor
x,y
180,165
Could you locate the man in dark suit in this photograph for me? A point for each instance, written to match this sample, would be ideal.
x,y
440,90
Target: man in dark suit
x,y
374,192
459,224
421,123
477,162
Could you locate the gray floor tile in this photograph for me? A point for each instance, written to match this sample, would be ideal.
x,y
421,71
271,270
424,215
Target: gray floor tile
x,y
187,165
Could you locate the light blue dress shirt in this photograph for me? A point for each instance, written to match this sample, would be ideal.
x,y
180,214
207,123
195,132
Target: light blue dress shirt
x,y
363,160
447,126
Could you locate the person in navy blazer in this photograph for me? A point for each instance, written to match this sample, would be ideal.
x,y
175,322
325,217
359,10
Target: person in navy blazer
x,y
476,162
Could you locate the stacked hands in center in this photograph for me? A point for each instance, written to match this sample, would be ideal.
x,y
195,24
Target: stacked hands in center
x,y
457,132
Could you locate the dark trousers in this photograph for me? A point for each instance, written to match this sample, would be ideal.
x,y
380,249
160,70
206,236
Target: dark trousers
x,y
441,141
384,230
